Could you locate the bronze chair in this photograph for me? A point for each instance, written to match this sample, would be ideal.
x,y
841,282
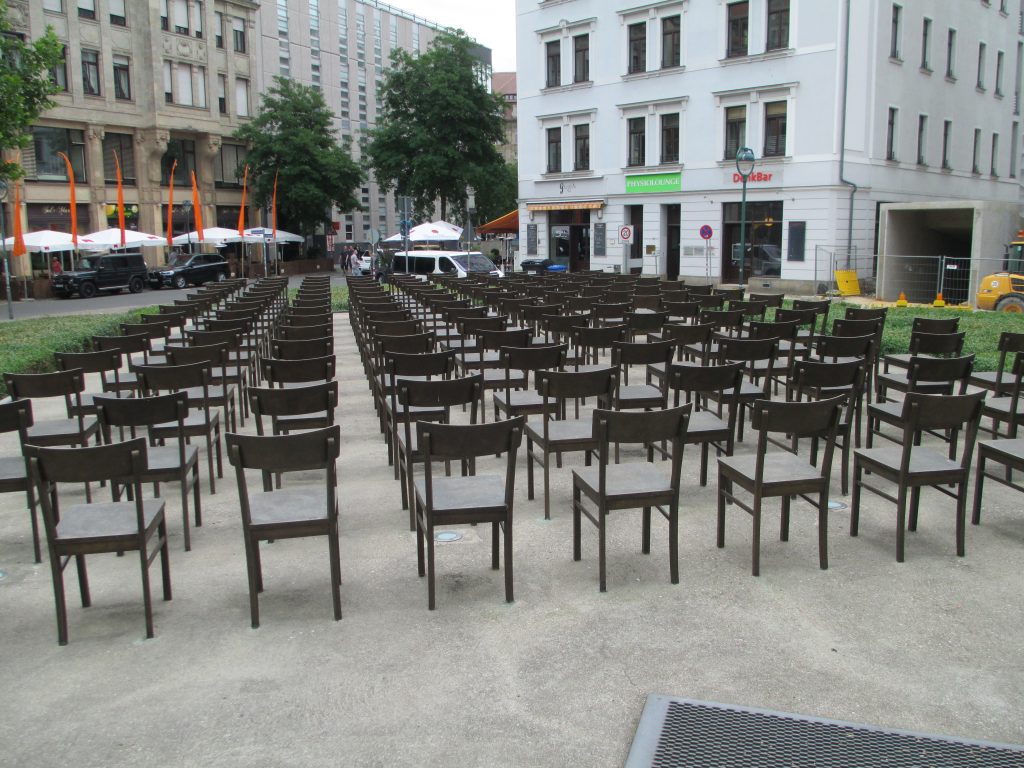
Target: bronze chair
x,y
292,512
636,484
297,408
178,463
91,528
912,467
471,498
524,361
1000,381
783,473
16,416
292,373
699,384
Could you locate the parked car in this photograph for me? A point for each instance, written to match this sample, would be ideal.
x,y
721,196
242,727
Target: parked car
x,y
107,272
186,269
457,263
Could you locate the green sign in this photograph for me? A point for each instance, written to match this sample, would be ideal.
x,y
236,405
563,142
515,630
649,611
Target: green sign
x,y
654,182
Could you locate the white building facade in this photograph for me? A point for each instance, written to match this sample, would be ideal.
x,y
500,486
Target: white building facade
x,y
632,113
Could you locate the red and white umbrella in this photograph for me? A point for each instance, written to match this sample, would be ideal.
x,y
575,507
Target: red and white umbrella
x,y
45,240
111,238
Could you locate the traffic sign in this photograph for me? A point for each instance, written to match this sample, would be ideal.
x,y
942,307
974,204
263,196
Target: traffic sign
x,y
706,231
626,234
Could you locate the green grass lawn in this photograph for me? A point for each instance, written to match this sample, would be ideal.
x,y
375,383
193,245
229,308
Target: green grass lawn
x,y
27,346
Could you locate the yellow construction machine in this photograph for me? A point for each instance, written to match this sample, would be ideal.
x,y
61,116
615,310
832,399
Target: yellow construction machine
x,y
1004,291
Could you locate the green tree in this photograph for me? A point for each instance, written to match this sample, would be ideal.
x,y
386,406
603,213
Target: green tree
x,y
293,135
498,193
438,126
25,86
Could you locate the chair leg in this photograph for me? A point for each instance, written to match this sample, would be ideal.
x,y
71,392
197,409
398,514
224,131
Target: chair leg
x,y
723,487
577,501
421,569
855,500
645,532
602,565
34,518
901,522
197,496
673,541
704,448
961,517
495,562
979,479
823,529
430,565
784,528
255,587
165,560
83,581
547,484
59,598
209,464
755,543
915,501
147,598
335,557
184,514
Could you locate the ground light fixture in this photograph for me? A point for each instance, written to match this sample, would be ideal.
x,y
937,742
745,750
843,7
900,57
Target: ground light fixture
x,y
744,166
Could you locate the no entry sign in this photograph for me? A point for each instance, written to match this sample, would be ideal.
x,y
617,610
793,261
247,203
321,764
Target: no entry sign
x,y
706,231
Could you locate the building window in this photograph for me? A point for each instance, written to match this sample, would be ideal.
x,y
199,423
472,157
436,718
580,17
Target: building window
x,y
891,126
91,72
926,44
951,54
993,167
54,6
197,16
200,86
238,33
947,138
179,16
1014,143
184,151
976,152
59,71
637,129
168,82
1000,61
982,50
553,63
123,145
122,78
922,135
87,9
736,42
118,17
775,129
581,58
894,42
670,38
670,138
554,150
218,29
222,94
638,47
228,166
778,25
735,131
41,161
241,97
165,23
581,147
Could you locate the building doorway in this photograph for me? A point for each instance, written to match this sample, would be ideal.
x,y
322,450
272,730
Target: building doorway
x,y
570,239
763,251
672,231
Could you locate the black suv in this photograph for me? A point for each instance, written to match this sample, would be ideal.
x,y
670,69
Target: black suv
x,y
184,269
109,272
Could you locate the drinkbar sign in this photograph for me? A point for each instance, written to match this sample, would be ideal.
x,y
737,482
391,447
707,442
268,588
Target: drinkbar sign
x,y
757,177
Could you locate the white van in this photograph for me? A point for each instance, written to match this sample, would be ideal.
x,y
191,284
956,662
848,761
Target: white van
x,y
458,263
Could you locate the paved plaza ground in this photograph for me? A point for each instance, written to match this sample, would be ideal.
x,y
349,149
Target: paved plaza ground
x,y
558,678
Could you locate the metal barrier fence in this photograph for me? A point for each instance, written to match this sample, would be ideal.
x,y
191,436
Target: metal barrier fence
x,y
921,278
844,271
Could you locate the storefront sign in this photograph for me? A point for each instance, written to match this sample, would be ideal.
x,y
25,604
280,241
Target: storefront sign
x,y
757,177
654,182
600,239
531,239
560,231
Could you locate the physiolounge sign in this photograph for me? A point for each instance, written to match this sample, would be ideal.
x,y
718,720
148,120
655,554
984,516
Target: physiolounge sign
x,y
654,182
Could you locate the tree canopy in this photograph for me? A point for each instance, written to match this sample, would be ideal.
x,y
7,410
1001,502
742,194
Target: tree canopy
x,y
293,135
498,194
25,86
437,128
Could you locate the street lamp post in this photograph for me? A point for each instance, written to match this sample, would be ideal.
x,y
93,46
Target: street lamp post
x,y
7,261
745,167
470,210
188,223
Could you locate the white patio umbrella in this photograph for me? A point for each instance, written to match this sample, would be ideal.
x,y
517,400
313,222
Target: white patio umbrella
x,y
431,232
259,234
45,240
111,238
213,235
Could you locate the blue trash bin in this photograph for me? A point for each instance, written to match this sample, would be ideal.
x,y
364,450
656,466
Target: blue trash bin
x,y
557,268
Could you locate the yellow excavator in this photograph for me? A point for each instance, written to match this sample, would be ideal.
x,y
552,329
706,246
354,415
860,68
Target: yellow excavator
x,y
1004,291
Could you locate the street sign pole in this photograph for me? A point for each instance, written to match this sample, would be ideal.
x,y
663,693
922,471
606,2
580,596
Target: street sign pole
x,y
7,260
707,233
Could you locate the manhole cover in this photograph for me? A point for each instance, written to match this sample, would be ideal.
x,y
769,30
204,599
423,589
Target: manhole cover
x,y
3,575
447,536
835,506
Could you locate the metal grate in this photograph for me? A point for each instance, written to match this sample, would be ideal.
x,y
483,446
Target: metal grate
x,y
682,732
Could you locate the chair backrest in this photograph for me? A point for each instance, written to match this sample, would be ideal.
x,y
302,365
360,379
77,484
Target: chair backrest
x,y
140,411
640,353
705,379
533,358
843,346
598,338
442,393
815,418
279,371
928,369
867,313
685,309
747,350
561,385
136,342
299,348
212,355
16,415
639,322
276,454
935,325
440,441
398,364
292,332
641,426
54,384
924,412
868,327
294,401
171,378
779,329
723,319
101,361
922,343
84,464
771,300
496,339
412,343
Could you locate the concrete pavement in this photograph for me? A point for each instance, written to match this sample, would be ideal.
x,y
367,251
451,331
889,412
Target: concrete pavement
x,y
557,678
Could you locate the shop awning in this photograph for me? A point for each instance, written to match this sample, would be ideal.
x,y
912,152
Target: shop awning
x,y
579,205
507,223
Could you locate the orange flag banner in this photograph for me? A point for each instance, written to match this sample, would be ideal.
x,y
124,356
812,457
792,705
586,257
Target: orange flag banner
x,y
19,236
197,208
74,208
170,204
120,197
273,206
241,211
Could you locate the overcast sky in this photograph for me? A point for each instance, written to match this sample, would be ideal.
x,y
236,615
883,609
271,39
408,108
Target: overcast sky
x,y
489,22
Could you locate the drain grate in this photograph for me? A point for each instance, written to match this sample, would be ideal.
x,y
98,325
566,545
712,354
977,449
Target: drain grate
x,y
682,732
446,536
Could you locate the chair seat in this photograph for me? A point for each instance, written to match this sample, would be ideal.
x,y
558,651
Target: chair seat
x,y
12,473
195,421
1000,407
562,431
780,469
60,431
637,481
987,380
496,375
455,494
631,394
704,423
294,421
891,413
923,461
289,506
106,520
518,398
164,458
1007,451
217,392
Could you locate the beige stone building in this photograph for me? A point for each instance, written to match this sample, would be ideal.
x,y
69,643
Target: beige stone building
x,y
504,85
152,81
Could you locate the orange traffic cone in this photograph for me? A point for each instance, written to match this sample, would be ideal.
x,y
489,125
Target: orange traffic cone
x,y
902,300
939,301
